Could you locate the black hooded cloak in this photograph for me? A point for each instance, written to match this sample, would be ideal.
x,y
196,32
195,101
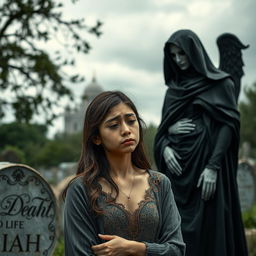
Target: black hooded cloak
x,y
206,95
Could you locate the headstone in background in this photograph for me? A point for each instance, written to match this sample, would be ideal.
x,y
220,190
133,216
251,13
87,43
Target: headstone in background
x,y
27,212
245,150
246,181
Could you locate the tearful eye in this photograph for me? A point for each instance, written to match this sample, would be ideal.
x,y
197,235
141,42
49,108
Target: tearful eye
x,y
113,126
131,121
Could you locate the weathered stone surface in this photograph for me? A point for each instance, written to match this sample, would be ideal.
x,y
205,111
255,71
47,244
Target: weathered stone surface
x,y
246,185
27,212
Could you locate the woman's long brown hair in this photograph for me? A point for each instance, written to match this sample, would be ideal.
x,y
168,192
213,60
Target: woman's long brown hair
x,y
93,163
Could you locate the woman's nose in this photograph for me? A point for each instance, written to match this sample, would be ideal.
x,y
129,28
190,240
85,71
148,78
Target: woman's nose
x,y
125,129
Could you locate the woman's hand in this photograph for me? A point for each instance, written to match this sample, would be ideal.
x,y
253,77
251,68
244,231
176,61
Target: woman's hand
x,y
182,126
209,179
116,246
170,159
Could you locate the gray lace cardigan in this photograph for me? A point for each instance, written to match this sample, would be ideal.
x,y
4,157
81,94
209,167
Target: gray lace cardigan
x,y
81,226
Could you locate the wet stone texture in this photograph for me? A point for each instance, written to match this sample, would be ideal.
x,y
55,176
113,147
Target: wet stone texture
x,y
27,212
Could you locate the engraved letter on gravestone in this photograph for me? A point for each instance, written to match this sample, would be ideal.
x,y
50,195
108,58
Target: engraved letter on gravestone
x,y
27,212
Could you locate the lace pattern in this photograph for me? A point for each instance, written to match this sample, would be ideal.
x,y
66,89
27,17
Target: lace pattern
x,y
139,225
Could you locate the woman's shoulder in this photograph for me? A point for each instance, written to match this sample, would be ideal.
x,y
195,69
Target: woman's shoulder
x,y
76,185
158,177
76,181
161,184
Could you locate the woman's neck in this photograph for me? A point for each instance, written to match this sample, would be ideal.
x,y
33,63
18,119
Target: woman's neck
x,y
120,165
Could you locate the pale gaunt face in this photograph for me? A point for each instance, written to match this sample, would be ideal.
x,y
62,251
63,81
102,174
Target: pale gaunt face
x,y
119,131
179,57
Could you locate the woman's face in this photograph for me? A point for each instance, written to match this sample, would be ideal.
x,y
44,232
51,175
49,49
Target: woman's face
x,y
179,57
119,131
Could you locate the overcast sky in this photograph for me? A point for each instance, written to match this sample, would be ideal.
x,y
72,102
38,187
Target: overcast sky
x,y
128,56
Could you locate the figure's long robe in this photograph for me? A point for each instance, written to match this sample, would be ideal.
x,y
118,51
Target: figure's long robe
x,y
213,227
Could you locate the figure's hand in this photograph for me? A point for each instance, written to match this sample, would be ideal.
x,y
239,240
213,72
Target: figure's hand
x,y
182,126
170,159
209,180
115,245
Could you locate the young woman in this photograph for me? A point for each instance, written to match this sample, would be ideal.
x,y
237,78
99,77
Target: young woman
x,y
117,205
197,143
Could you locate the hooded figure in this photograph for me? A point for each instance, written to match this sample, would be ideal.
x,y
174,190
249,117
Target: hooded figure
x,y
196,146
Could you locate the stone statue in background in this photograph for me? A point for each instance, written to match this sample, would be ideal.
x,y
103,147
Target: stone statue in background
x,y
196,146
231,58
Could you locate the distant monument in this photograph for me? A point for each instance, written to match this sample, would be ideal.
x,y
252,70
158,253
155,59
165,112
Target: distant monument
x,y
73,119
27,212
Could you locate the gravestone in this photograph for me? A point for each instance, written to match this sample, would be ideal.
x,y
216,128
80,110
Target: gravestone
x,y
246,185
27,212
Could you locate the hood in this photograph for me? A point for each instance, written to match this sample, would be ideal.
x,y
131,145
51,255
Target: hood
x,y
201,64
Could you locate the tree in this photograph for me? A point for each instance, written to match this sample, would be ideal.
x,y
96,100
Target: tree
x,y
12,154
19,135
28,138
32,79
248,118
31,146
63,148
149,136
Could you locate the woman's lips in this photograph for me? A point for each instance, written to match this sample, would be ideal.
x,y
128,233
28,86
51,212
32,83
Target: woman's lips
x,y
128,141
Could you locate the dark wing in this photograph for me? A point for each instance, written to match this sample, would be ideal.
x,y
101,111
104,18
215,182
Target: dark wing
x,y
230,49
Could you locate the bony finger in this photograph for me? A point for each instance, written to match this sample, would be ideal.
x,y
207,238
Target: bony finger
x,y
187,124
171,166
171,170
187,129
175,162
177,172
170,160
207,194
174,165
176,154
203,195
185,132
177,166
186,120
208,191
204,190
191,127
213,190
214,187
199,180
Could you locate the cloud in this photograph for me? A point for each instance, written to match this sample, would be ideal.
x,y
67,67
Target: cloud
x,y
106,8
129,54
